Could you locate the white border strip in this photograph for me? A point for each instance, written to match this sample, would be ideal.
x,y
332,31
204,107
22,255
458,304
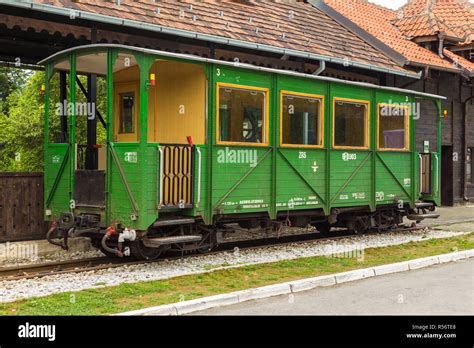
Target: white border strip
x,y
203,303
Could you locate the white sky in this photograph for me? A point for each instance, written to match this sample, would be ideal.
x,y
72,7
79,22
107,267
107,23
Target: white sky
x,y
394,4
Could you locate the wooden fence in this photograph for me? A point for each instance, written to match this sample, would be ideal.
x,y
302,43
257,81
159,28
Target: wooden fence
x,y
21,207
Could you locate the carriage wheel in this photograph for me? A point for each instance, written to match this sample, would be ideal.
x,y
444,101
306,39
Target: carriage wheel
x,y
142,252
360,226
323,227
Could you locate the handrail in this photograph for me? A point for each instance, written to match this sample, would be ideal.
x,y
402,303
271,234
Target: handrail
x,y
198,150
160,181
436,172
421,173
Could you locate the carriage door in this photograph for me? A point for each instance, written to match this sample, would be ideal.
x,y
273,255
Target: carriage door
x,y
176,176
90,130
177,124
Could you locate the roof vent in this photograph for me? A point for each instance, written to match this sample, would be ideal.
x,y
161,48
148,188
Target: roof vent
x,y
291,14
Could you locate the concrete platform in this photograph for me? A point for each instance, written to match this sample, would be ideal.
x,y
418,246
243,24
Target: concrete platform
x,y
452,215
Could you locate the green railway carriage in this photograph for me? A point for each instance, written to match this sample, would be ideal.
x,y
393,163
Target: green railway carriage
x,y
164,151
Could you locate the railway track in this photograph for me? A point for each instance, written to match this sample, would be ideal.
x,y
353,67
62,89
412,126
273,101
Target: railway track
x,y
100,263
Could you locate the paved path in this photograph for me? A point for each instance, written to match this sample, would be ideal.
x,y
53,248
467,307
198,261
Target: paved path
x,y
441,289
451,215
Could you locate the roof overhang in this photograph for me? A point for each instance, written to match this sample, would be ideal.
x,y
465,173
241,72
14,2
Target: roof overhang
x,y
79,14
437,37
163,54
462,47
434,67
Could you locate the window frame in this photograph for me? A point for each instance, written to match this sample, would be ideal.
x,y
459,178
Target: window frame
x,y
121,95
120,88
265,119
367,124
320,121
406,147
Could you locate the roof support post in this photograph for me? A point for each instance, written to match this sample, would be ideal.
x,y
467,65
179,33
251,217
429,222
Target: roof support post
x,y
63,98
72,122
91,150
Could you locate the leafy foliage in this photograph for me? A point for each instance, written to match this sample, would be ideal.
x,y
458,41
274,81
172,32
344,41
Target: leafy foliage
x,y
21,131
22,123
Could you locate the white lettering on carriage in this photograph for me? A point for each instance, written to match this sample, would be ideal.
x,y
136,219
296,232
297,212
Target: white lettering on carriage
x,y
131,157
346,156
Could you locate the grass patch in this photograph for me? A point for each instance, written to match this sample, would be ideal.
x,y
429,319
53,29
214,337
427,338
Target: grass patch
x,y
126,297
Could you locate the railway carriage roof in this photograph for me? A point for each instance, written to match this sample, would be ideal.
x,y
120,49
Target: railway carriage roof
x,y
97,47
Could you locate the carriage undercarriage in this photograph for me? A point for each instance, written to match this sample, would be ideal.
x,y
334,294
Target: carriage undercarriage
x,y
184,234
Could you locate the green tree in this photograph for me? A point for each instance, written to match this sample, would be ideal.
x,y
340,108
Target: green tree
x,y
22,128
11,79
21,131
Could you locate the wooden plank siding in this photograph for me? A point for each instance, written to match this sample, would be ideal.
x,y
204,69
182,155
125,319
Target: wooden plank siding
x,y
21,206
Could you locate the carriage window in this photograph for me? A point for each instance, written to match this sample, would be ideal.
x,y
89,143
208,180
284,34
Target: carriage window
x,y
127,114
393,127
301,119
58,110
242,115
351,124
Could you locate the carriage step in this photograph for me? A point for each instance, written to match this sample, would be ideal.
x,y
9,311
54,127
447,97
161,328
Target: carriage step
x,y
424,205
157,242
171,222
419,217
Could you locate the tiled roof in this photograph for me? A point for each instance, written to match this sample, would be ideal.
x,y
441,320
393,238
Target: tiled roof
x,y
430,17
284,24
457,60
378,21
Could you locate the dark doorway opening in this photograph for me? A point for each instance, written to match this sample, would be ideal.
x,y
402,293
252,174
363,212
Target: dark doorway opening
x,y
447,194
